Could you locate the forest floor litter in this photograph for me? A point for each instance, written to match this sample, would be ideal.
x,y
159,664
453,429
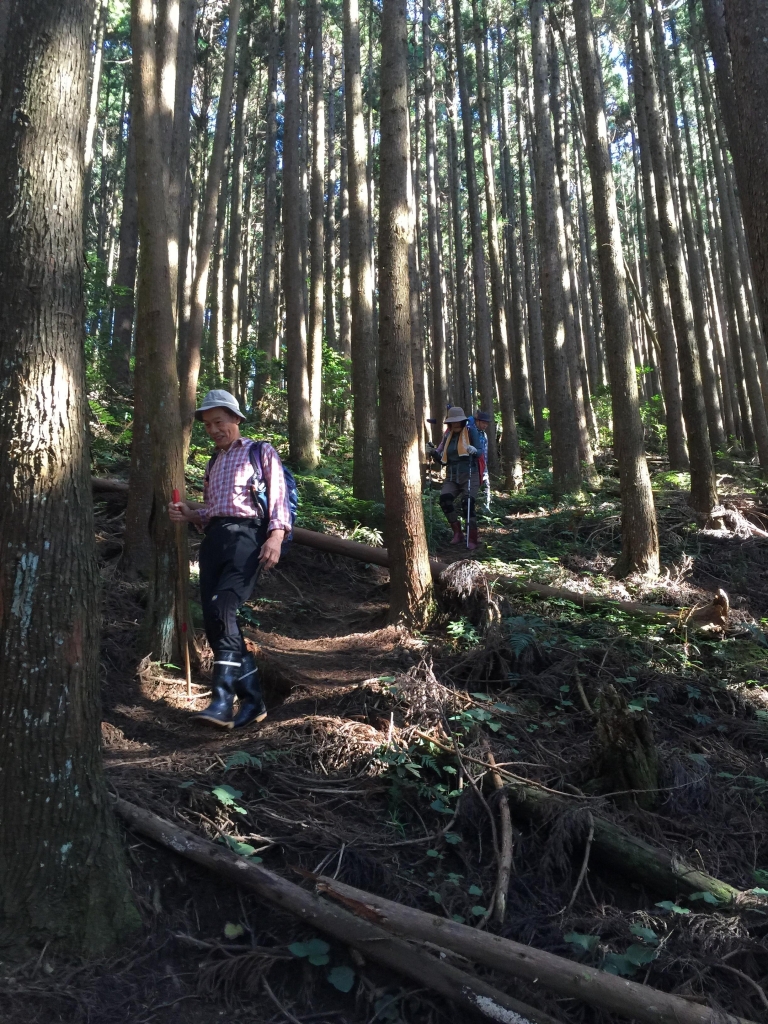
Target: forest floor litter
x,y
387,759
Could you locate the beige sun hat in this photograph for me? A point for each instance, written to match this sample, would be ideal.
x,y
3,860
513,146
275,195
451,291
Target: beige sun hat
x,y
455,415
219,399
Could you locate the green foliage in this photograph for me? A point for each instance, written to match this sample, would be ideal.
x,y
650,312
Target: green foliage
x,y
673,908
671,480
228,797
241,759
463,632
242,849
314,950
342,978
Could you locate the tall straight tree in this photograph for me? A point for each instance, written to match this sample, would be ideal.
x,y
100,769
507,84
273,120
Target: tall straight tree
x,y
566,470
737,31
267,331
665,328
436,309
461,374
125,277
235,242
62,876
693,251
411,581
316,218
366,473
167,600
189,354
703,489
300,436
639,532
512,465
485,386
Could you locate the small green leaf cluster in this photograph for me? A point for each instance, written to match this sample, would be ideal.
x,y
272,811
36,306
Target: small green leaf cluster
x,y
637,955
317,953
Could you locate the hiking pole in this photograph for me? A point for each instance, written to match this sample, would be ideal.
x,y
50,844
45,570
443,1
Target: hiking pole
x,y
184,635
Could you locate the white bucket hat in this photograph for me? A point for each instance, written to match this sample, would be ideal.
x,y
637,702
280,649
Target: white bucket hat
x,y
219,399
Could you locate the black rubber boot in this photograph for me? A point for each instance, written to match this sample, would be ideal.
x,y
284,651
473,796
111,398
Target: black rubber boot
x,y
226,672
248,690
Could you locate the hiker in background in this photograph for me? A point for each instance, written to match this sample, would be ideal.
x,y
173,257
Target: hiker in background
x,y
243,535
482,422
457,452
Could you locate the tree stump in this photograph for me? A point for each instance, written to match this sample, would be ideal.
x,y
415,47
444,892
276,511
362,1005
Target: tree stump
x,y
627,758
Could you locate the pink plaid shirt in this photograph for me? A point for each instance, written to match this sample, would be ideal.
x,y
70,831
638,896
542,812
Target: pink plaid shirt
x,y
226,491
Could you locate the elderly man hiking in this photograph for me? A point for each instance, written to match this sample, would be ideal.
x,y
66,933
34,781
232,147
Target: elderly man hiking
x,y
245,517
458,452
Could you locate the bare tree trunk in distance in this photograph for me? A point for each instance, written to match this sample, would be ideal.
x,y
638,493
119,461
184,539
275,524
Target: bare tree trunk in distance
x,y
62,875
461,375
436,309
665,328
703,488
566,470
95,83
316,219
167,598
235,242
265,336
485,386
695,274
189,357
511,462
366,474
411,595
639,532
300,437
329,282
125,277
744,61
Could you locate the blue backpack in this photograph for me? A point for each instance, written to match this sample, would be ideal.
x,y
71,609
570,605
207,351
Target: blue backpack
x,y
258,488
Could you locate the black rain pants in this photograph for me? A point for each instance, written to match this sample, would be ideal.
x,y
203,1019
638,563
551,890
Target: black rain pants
x,y
229,568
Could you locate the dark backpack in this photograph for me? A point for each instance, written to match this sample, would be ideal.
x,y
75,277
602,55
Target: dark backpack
x,y
258,488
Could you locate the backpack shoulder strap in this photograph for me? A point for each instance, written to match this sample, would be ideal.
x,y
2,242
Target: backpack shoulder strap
x,y
211,461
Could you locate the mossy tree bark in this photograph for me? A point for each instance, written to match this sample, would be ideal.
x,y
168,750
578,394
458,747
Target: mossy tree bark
x,y
62,877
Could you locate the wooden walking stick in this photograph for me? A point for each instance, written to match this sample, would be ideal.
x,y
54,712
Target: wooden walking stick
x,y
184,633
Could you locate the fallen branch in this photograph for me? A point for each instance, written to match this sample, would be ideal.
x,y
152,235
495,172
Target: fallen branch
x,y
564,977
633,857
507,845
462,990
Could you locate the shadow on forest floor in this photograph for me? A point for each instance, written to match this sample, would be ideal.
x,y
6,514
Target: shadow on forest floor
x,y
342,776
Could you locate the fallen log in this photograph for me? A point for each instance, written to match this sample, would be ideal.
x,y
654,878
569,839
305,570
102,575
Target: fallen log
x,y
507,584
461,989
658,869
352,549
565,977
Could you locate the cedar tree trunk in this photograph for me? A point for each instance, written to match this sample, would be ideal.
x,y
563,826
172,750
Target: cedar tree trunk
x,y
62,877
639,534
411,582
